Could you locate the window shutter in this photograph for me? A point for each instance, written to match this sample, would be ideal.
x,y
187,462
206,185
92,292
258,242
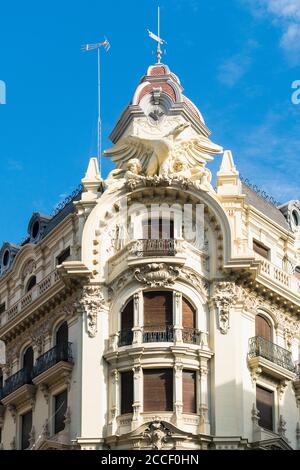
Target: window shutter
x,y
158,309
126,392
127,316
61,405
158,390
26,429
263,328
188,315
189,391
265,405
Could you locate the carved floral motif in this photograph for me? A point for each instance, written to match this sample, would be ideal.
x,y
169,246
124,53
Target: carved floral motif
x,y
157,434
92,302
225,296
157,274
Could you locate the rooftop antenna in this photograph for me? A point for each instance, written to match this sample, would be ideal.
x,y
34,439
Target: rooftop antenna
x,y
157,37
91,47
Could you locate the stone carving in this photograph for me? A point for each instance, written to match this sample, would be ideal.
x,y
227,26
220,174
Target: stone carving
x,y
157,274
157,154
117,178
45,430
29,268
32,438
92,302
282,426
197,281
157,434
224,297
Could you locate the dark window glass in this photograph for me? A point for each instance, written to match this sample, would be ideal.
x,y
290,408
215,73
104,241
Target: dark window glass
x,y
158,389
35,229
265,406
28,359
126,392
189,391
2,307
1,379
61,405
6,257
260,249
62,338
297,272
63,256
26,425
127,316
31,283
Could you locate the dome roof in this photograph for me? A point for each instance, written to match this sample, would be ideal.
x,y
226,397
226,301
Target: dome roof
x,y
159,77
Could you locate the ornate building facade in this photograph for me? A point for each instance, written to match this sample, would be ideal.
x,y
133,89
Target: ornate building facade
x,y
152,310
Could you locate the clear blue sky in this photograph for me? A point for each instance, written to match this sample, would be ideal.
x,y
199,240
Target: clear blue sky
x,y
236,60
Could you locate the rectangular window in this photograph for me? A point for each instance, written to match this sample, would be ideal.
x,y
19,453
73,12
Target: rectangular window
x,y
2,308
265,406
158,229
63,256
26,426
61,405
158,390
189,391
261,249
126,392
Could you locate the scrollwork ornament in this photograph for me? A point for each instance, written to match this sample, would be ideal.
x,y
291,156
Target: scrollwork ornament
x,y
92,302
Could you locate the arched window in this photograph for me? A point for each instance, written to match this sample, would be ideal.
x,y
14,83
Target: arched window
x,y
158,316
263,327
126,334
31,283
61,341
28,362
189,332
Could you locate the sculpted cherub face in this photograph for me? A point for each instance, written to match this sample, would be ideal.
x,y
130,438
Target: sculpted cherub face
x,y
134,165
179,164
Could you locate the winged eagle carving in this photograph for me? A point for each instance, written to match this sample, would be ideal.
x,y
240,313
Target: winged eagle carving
x,y
157,154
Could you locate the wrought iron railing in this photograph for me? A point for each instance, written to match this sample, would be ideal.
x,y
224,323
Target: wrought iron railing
x,y
155,247
191,336
60,352
259,346
15,381
125,337
158,334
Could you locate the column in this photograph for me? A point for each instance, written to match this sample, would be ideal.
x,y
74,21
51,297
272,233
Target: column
x,y
138,318
177,317
137,406
178,399
202,396
115,401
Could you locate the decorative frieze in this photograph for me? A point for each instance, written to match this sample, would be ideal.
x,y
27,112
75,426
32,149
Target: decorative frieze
x,y
157,274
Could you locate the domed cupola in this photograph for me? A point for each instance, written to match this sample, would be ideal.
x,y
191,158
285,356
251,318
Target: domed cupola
x,y
158,98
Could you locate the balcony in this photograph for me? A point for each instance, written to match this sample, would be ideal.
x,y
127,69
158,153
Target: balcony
x,y
161,334
158,334
265,356
154,247
52,357
17,388
269,273
54,366
33,295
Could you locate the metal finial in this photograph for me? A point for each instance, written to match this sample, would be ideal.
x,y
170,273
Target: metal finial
x,y
157,38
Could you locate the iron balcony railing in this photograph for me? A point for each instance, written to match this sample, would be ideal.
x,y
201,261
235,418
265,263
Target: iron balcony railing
x,y
60,352
15,381
125,338
158,334
259,346
155,247
191,336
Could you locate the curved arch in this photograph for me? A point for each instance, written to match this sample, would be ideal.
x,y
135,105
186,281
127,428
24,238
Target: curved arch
x,y
103,214
30,283
24,255
264,325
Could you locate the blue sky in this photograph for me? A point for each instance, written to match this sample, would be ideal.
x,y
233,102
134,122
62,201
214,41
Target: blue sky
x,y
236,60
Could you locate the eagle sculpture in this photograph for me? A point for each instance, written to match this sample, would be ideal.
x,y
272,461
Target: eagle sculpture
x,y
157,155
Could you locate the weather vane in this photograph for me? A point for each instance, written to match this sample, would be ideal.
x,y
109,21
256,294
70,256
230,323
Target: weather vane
x,y
91,47
157,37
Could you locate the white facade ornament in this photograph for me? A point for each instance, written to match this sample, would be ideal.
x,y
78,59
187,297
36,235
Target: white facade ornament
x,y
157,434
157,274
158,154
224,297
282,426
92,301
